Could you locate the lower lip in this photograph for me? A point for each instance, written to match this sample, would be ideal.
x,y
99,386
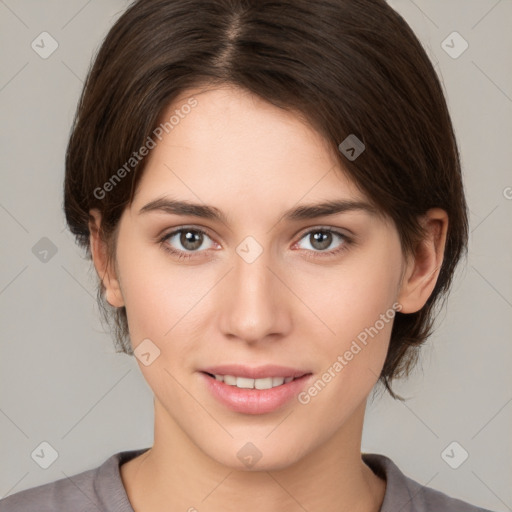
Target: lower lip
x,y
254,401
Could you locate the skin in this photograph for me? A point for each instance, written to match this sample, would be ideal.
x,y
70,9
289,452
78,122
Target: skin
x,y
253,162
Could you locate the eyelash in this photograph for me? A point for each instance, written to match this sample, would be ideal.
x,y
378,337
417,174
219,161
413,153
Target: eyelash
x,y
309,253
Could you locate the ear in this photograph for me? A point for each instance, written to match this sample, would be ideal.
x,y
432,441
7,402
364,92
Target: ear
x,y
106,272
423,266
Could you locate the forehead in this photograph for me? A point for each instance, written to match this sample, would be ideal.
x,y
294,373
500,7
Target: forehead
x,y
233,143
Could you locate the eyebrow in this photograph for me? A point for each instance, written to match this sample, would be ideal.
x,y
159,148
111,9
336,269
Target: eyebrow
x,y
302,212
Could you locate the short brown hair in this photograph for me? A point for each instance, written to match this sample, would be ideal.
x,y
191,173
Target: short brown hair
x,y
345,66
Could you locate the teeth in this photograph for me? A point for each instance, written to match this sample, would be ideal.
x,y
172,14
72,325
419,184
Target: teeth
x,y
267,383
277,381
242,382
245,383
229,379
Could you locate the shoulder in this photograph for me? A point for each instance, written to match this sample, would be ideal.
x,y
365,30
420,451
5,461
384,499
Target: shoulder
x,y
100,488
408,495
65,494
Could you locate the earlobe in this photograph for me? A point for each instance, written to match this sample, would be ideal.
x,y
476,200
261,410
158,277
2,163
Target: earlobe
x,y
423,266
99,253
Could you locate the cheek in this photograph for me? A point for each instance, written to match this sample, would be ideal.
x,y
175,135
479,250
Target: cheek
x,y
157,293
352,296
355,303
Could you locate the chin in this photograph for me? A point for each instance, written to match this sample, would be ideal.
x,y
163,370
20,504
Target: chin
x,y
260,454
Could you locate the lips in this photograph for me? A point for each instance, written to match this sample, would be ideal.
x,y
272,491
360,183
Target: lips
x,y
254,390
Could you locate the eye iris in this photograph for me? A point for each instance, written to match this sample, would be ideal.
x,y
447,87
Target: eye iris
x,y
191,237
323,238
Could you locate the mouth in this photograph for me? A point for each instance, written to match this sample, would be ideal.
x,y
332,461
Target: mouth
x,y
250,390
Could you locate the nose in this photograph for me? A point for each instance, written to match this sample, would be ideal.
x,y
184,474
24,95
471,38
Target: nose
x,y
254,303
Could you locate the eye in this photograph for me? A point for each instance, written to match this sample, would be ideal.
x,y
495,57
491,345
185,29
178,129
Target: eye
x,y
321,240
187,239
192,240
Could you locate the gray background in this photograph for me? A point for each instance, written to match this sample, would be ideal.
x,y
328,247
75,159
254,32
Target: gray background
x,y
61,381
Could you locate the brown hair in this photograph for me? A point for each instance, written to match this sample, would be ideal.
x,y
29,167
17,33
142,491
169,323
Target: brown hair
x,y
345,66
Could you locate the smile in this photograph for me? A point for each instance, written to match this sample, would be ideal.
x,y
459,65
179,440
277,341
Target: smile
x,y
247,383
254,390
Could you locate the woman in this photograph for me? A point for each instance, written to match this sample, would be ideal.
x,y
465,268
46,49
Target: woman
x,y
271,195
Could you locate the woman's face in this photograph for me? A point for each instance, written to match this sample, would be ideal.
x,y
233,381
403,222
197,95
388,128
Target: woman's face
x,y
264,285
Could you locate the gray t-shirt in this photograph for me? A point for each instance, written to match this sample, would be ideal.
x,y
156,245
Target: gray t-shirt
x,y
101,489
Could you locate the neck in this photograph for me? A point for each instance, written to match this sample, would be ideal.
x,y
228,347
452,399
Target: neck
x,y
176,474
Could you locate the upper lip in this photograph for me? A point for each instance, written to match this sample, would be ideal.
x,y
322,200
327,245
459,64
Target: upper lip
x,y
255,372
